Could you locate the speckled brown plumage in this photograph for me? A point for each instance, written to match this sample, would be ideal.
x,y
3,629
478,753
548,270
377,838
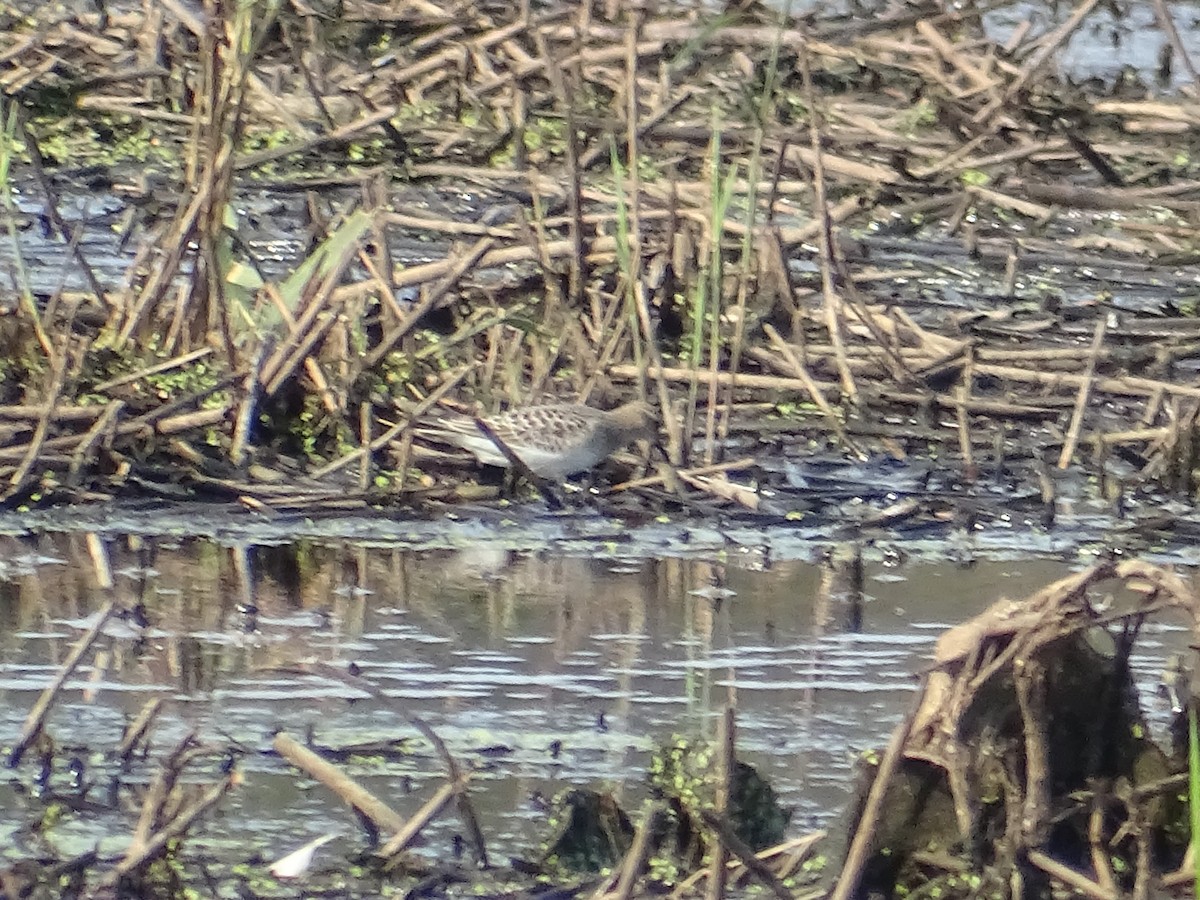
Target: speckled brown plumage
x,y
553,439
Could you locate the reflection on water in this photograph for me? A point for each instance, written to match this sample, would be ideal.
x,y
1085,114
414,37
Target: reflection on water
x,y
508,655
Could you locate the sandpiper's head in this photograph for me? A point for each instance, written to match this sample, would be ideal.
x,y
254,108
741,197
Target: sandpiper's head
x,y
637,419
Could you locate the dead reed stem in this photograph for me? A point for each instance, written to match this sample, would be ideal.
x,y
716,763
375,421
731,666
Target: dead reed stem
x,y
636,857
831,301
139,728
1075,880
728,838
1084,394
54,391
814,391
69,235
145,852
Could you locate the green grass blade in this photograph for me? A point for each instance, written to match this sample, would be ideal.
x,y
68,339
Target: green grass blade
x,y
624,257
1194,798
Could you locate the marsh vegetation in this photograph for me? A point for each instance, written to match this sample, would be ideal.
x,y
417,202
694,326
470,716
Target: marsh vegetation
x,y
879,270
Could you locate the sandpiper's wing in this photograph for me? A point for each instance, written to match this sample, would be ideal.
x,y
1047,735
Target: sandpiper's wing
x,y
553,439
462,432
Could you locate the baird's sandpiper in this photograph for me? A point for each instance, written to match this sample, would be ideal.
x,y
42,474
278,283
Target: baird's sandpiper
x,y
553,439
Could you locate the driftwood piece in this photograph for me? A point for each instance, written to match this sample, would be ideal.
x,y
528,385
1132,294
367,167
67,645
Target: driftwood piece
x,y
356,796
139,728
1022,663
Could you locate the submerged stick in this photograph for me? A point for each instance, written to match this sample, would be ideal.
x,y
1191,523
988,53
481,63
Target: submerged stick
x,y
138,727
158,794
37,715
726,763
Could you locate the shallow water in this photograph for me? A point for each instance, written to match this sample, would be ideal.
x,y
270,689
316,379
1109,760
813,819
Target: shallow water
x,y
503,651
